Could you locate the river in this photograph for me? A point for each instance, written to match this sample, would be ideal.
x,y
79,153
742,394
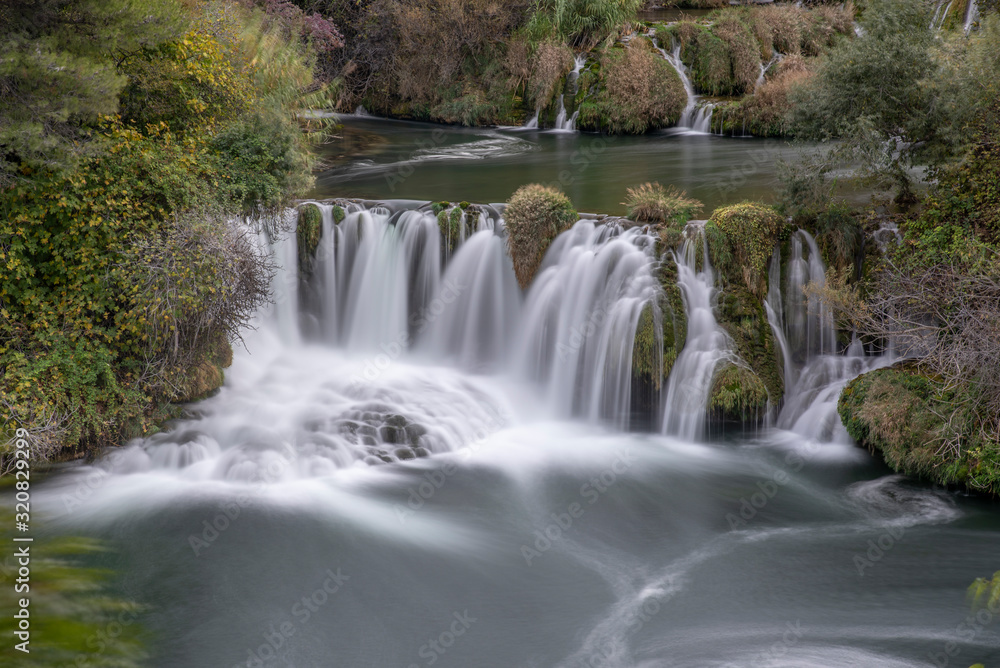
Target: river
x,y
371,488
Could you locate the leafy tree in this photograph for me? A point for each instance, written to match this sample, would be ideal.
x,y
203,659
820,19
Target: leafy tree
x,y
58,75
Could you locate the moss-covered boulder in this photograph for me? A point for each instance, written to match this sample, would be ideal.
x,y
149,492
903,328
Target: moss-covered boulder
x,y
637,91
741,240
308,232
534,217
738,396
206,376
902,414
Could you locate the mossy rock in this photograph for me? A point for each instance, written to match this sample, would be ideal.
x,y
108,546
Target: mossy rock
x,y
741,241
308,233
206,376
647,366
742,316
534,217
897,413
737,396
450,225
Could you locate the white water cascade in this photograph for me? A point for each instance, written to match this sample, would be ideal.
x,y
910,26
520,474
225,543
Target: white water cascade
x,y
580,318
565,123
532,123
804,331
694,119
707,344
971,16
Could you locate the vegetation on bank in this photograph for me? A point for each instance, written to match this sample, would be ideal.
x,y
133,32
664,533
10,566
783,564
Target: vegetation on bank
x,y
131,201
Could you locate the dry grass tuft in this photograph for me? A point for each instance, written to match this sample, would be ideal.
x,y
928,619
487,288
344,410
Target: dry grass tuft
x,y
652,203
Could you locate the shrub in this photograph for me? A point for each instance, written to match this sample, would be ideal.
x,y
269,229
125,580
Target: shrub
x,y
652,203
534,216
766,112
550,64
743,52
750,231
640,92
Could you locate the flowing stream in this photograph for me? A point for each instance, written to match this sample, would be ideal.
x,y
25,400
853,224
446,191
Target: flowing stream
x,y
414,463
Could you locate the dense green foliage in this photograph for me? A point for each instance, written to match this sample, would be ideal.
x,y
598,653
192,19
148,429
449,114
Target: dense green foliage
x,y
897,412
129,268
742,238
535,215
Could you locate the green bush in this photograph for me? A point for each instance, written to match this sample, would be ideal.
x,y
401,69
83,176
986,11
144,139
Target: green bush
x,y
652,203
534,216
639,91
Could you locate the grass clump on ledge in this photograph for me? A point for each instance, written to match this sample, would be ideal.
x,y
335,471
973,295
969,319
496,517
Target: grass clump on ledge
x,y
653,203
535,215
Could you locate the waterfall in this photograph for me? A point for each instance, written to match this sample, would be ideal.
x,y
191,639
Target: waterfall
x,y
940,14
474,316
804,332
580,319
707,344
809,322
564,124
776,318
532,123
764,67
971,15
574,76
693,120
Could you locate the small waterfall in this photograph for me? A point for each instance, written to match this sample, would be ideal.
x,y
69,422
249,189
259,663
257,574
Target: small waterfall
x,y
776,318
707,344
284,311
693,120
532,123
564,124
809,322
940,14
580,319
764,67
971,16
578,62
474,315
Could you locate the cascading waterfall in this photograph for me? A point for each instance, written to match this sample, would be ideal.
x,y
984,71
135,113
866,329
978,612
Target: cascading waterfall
x,y
971,16
532,123
564,123
940,14
694,119
776,318
809,322
581,315
814,373
707,344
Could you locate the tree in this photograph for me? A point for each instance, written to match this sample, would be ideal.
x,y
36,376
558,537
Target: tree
x,y
57,71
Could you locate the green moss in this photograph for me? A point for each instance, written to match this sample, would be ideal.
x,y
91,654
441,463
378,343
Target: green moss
x,y
674,324
737,395
450,224
742,315
741,240
896,412
308,233
338,213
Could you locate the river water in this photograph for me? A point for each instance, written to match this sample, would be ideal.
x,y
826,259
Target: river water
x,y
430,468
379,158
